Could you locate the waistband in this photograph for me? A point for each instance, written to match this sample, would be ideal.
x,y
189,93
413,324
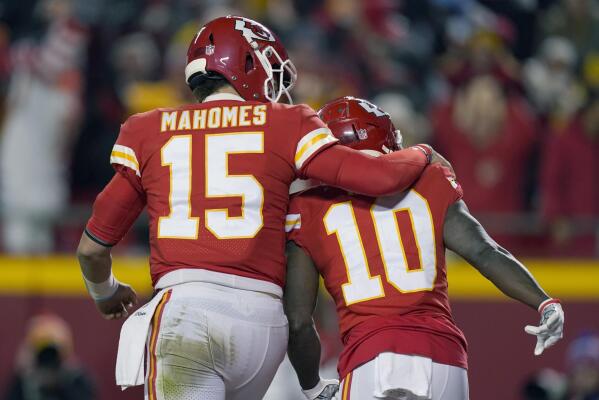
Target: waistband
x,y
186,275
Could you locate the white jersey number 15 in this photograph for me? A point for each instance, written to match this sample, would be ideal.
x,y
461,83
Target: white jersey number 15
x,y
177,155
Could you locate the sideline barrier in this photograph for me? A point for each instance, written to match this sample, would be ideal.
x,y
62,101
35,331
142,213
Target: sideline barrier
x,y
60,276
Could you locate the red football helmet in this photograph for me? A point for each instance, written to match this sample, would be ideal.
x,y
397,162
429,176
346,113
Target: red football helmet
x,y
247,54
361,125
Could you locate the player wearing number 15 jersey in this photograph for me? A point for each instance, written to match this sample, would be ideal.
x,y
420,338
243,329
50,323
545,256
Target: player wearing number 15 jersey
x,y
383,262
215,177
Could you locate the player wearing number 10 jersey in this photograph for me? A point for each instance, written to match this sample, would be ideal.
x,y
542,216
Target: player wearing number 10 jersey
x,y
215,179
383,262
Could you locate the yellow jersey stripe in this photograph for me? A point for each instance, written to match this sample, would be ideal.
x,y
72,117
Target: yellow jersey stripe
x,y
131,158
307,145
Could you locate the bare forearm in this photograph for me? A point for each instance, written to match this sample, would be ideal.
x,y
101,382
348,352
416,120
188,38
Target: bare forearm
x,y
304,354
301,291
464,235
94,260
510,276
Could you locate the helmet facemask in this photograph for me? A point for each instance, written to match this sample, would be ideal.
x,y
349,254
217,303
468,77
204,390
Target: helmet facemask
x,y
281,74
398,140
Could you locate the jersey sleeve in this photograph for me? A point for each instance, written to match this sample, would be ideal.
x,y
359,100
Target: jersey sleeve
x,y
457,191
114,211
312,138
442,182
362,173
125,156
293,221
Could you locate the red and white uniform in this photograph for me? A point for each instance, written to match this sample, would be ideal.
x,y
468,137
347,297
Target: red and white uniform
x,y
221,170
383,262
215,180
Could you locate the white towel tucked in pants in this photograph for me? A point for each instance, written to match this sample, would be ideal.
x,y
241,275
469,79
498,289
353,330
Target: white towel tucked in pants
x,y
211,342
404,377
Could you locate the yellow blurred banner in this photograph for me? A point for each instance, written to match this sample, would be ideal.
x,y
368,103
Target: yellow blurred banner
x,y
60,276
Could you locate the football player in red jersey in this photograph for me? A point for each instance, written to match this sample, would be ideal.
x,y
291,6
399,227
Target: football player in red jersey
x,y
383,262
215,179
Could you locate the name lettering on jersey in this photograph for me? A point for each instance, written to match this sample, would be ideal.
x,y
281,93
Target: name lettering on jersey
x,y
213,118
169,121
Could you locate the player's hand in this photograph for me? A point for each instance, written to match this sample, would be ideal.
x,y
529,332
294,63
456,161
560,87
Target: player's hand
x,y
551,327
119,304
438,158
325,389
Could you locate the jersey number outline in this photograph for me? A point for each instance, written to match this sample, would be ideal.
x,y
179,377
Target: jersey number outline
x,y
177,155
361,286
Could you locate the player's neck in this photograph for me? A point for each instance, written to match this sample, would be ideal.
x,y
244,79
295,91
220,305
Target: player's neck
x,y
227,89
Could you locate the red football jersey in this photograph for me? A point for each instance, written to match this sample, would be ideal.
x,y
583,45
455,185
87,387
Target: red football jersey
x,y
383,262
216,177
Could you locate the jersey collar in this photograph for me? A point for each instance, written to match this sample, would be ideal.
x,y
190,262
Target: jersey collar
x,y
223,96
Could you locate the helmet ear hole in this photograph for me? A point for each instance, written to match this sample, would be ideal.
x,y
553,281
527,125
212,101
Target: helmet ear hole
x,y
249,63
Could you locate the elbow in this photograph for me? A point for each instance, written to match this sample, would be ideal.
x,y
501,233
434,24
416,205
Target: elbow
x,y
88,250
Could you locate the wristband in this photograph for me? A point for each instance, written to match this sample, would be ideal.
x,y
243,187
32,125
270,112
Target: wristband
x,y
103,290
426,149
546,303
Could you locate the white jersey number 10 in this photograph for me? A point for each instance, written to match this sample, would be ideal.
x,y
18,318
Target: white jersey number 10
x,y
340,219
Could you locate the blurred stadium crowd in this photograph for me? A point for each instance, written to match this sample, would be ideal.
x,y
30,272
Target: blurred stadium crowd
x,y
507,90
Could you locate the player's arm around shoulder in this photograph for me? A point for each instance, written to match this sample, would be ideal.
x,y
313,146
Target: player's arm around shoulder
x,y
464,235
318,156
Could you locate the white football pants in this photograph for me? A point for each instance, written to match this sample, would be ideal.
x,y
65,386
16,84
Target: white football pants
x,y
447,382
214,342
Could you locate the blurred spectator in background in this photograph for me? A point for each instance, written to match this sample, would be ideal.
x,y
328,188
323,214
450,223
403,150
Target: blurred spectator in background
x,y
484,52
583,368
489,136
570,182
485,126
137,62
551,83
413,126
577,20
472,66
546,384
42,112
45,368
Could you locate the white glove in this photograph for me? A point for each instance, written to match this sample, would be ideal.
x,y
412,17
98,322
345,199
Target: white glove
x,y
325,389
551,327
